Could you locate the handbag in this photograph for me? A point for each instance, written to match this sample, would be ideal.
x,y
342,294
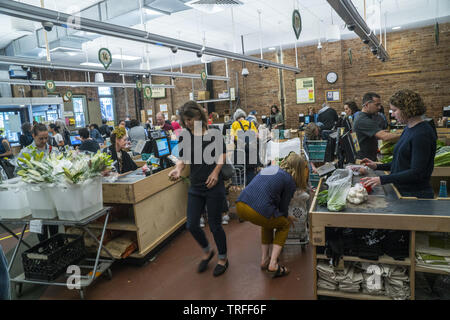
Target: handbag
x,y
8,167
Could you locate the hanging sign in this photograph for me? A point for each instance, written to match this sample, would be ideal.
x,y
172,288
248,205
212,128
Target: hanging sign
x,y
297,23
105,57
147,92
69,95
436,33
65,98
50,85
204,77
139,85
350,57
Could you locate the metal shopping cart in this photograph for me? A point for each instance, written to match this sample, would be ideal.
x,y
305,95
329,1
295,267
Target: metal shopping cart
x,y
238,180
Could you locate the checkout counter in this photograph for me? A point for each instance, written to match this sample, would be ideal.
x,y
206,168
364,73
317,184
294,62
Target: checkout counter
x,y
384,209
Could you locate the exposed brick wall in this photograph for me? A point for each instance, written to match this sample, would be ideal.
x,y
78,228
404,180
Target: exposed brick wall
x,y
409,49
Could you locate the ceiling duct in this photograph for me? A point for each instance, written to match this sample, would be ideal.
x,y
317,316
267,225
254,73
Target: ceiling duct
x,y
24,11
347,11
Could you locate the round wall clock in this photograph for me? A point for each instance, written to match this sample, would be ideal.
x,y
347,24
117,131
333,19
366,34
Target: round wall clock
x,y
332,77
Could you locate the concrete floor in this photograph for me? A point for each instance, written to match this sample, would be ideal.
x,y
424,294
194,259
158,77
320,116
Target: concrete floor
x,y
172,274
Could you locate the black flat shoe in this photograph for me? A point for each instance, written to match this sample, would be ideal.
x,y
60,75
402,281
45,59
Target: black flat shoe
x,y
220,269
204,263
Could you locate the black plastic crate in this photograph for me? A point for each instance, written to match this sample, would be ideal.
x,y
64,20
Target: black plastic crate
x,y
50,258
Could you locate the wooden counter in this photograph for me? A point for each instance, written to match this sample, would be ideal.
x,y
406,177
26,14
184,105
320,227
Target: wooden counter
x,y
383,210
158,207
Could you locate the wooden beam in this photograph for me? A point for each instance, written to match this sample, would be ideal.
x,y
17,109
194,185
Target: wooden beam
x,y
387,73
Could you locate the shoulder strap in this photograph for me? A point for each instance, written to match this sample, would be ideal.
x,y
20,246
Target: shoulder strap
x,y
242,126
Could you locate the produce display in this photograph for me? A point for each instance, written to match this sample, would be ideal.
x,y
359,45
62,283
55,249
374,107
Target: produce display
x,y
357,194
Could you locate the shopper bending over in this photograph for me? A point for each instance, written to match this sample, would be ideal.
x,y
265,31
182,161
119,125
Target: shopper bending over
x,y
265,202
87,143
413,160
207,186
119,140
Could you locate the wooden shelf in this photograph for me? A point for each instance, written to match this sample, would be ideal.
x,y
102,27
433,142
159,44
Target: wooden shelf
x,y
124,225
346,295
428,270
383,259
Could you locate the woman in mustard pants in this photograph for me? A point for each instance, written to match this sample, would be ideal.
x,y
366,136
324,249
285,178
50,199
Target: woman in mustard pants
x,y
265,202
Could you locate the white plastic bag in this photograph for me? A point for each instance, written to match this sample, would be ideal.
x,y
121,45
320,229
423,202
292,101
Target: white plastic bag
x,y
281,149
298,208
339,184
13,199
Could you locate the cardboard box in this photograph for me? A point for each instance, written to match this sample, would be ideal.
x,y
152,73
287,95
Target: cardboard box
x,y
20,91
203,95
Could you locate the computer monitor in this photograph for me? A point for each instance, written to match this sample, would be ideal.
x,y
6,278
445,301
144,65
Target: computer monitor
x,y
446,112
308,119
74,141
301,118
161,147
350,145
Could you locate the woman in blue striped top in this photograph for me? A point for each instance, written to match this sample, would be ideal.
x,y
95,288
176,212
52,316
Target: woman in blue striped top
x,y
265,202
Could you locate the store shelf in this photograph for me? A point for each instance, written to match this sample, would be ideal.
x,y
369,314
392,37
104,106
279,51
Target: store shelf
x,y
384,259
213,100
124,225
429,270
355,296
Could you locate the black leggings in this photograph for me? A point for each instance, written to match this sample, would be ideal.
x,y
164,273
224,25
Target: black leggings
x,y
214,201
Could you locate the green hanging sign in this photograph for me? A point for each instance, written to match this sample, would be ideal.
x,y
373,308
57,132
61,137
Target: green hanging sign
x,y
147,92
350,57
204,77
50,85
105,57
139,85
436,33
69,95
297,23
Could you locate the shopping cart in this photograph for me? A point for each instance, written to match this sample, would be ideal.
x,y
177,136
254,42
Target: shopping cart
x,y
238,180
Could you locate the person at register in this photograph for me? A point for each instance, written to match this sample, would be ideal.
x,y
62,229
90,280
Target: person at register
x,y
124,163
413,160
161,121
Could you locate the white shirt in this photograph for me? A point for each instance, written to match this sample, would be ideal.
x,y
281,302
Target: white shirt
x,y
58,138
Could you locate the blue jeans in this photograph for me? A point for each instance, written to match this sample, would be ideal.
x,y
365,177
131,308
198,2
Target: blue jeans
x,y
4,277
214,200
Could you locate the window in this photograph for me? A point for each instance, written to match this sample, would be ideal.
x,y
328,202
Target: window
x,y
106,103
10,122
78,110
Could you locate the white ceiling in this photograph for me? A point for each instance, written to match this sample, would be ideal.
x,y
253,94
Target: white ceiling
x,y
217,28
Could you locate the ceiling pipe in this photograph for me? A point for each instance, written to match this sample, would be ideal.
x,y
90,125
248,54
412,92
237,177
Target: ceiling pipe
x,y
40,83
28,12
57,66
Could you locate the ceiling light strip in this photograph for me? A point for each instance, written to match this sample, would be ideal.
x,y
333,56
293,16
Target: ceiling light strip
x,y
24,11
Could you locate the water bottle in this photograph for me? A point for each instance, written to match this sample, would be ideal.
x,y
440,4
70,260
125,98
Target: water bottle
x,y
443,189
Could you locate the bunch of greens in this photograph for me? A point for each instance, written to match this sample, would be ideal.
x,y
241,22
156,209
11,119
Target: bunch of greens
x,y
322,198
387,148
35,168
387,159
442,157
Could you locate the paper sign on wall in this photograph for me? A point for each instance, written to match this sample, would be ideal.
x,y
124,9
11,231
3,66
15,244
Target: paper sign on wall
x,y
163,107
305,90
149,112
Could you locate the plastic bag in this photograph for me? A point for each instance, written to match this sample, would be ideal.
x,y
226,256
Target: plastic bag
x,y
298,208
339,184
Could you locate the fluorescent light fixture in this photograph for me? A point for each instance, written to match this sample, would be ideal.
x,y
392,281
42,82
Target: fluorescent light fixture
x,y
152,12
204,7
125,57
396,28
272,48
91,64
72,53
64,49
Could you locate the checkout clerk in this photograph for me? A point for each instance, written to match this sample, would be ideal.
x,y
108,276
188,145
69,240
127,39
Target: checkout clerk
x,y
124,163
413,160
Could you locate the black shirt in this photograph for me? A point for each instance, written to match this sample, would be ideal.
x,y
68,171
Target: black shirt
x,y
328,117
89,145
105,131
200,170
413,160
366,127
25,139
124,165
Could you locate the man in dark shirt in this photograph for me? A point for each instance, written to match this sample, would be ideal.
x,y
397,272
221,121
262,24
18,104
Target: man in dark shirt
x,y
368,130
104,129
87,144
161,121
